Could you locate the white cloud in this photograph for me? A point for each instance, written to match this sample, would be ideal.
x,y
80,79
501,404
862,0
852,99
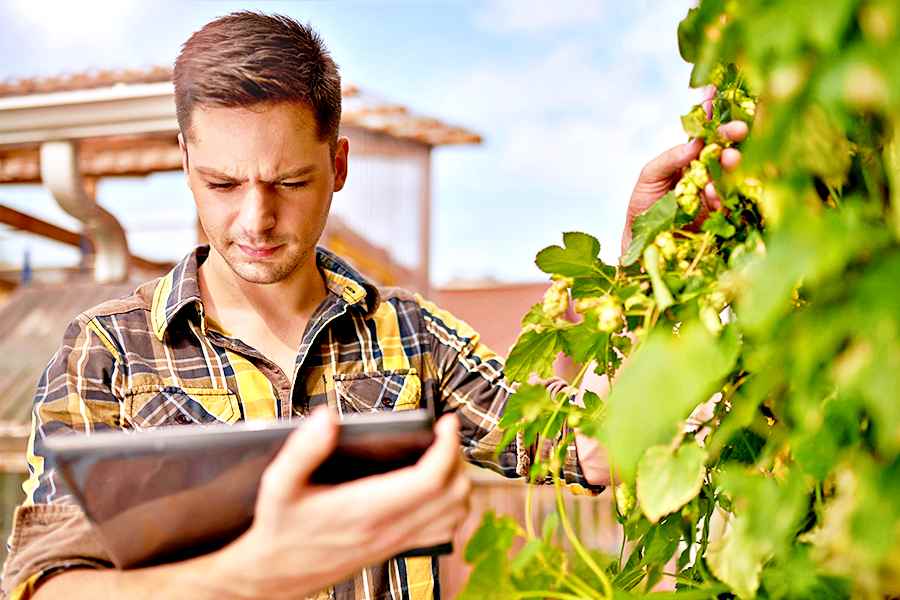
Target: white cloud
x,y
566,136
504,16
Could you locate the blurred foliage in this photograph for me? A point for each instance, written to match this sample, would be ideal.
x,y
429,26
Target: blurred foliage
x,y
778,316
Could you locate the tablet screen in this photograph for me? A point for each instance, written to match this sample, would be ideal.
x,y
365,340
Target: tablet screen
x,y
175,492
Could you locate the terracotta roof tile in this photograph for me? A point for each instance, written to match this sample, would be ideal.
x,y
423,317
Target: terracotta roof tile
x,y
32,321
360,110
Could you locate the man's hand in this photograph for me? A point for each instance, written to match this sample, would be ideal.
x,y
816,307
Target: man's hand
x,y
593,459
662,173
306,537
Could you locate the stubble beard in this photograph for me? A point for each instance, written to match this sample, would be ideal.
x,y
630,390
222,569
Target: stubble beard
x,y
263,271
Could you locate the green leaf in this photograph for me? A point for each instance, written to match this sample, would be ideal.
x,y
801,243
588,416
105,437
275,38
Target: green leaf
x,y
593,406
871,365
695,122
661,292
647,403
708,593
718,225
488,551
577,259
825,22
534,352
797,577
743,447
489,580
526,411
494,535
765,520
585,287
662,541
691,29
526,555
808,247
526,403
585,343
668,480
536,316
736,559
648,225
548,530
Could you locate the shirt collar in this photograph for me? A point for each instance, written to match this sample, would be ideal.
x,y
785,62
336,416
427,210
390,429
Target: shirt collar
x,y
180,288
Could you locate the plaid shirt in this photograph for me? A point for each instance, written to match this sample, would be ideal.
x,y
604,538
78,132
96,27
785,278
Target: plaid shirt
x,y
151,360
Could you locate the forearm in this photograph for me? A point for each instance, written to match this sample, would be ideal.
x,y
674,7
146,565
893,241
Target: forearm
x,y
207,576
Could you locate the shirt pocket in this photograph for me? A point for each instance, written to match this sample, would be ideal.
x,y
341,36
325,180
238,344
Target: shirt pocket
x,y
385,390
150,406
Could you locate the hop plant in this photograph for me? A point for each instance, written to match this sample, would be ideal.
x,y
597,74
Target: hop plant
x,y
753,429
556,298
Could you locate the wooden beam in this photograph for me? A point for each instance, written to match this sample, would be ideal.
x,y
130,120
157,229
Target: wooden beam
x,y
30,224
23,222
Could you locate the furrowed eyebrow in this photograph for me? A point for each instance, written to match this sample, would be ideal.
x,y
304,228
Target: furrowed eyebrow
x,y
217,174
292,174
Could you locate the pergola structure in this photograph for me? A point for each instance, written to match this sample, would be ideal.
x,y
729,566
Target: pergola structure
x,y
66,132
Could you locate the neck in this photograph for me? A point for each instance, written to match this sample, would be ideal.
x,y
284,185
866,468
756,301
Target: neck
x,y
295,296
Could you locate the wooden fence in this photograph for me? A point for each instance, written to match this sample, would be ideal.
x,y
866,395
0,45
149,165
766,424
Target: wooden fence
x,y
591,516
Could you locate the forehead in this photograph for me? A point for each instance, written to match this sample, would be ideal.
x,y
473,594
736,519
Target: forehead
x,y
283,120
260,138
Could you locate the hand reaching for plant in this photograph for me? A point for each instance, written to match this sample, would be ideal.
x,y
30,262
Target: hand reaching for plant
x,y
662,173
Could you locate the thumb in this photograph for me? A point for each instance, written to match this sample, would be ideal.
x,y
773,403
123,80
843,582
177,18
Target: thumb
x,y
443,456
670,162
304,450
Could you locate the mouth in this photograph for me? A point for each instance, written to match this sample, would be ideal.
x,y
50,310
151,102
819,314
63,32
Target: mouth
x,y
259,251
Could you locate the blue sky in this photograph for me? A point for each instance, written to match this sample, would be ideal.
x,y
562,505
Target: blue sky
x,y
572,99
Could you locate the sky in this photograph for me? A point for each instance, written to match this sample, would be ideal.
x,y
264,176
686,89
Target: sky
x,y
571,97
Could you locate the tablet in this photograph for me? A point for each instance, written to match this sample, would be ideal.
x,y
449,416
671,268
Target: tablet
x,y
167,494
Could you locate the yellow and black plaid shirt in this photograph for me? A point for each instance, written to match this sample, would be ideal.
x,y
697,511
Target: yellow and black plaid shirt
x,y
153,360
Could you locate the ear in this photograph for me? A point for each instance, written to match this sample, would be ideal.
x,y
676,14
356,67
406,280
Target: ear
x,y
341,156
182,145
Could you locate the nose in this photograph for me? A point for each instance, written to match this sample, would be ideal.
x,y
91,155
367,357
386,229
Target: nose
x,y
258,214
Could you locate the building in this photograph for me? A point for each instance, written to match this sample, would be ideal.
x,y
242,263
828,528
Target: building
x,y
70,134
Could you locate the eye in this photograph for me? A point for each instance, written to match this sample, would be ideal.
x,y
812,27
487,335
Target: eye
x,y
294,184
220,186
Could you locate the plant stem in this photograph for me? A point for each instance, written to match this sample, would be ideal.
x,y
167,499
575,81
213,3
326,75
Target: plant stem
x,y
608,368
604,275
547,594
580,375
571,580
704,542
619,515
580,586
576,543
556,409
819,503
529,507
703,246
682,579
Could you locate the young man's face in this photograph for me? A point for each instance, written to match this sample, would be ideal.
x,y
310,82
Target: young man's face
x,y
262,181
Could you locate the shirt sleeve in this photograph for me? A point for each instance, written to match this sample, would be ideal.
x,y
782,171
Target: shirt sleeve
x,y
74,394
471,383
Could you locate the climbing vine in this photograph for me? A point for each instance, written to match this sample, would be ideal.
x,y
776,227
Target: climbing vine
x,y
753,354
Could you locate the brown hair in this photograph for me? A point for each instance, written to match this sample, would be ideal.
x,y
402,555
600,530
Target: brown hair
x,y
248,58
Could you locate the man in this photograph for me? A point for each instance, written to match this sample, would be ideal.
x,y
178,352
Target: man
x,y
263,325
